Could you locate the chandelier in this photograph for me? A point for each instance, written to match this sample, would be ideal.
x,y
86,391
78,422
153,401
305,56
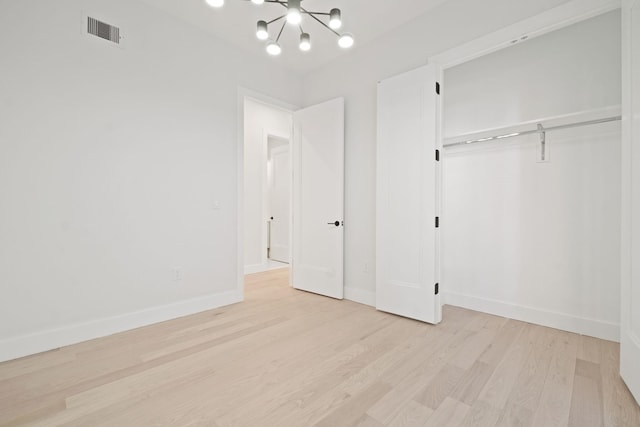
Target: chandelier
x,y
293,16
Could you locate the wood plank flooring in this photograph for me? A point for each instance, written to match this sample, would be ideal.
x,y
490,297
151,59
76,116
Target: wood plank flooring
x,y
290,358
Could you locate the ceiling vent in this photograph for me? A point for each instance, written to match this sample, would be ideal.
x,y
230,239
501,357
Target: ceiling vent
x,y
103,30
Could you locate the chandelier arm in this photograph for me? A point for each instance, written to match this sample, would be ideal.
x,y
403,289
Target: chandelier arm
x,y
321,23
275,20
281,29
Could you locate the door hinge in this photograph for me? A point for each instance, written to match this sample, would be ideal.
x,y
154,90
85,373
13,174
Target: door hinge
x,y
437,88
437,155
437,288
437,222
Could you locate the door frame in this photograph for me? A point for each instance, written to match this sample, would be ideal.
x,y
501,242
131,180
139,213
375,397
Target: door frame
x,y
551,20
629,341
244,93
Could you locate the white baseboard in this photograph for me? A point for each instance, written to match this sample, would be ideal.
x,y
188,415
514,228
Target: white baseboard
x,y
360,296
256,268
579,325
13,348
629,357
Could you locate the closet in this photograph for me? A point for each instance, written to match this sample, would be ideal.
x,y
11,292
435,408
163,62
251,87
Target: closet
x,y
532,215
529,224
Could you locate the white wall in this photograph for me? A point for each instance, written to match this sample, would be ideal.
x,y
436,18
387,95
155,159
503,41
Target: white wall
x,y
355,76
260,120
537,241
571,70
110,163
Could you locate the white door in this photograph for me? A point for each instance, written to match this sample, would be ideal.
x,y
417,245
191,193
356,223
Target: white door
x,y
630,322
318,188
279,203
406,206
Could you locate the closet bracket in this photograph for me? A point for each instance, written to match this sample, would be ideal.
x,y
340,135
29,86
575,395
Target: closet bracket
x,y
543,143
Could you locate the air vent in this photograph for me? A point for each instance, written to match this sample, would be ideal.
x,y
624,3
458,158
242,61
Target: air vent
x,y
102,30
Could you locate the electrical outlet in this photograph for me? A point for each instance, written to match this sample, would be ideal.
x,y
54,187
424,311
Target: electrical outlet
x,y
177,274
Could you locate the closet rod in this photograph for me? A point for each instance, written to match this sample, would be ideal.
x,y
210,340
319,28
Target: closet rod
x,y
541,129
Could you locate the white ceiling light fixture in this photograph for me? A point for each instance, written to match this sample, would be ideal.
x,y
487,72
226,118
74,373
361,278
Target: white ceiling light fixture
x,y
305,42
294,16
262,33
293,12
273,48
345,41
335,19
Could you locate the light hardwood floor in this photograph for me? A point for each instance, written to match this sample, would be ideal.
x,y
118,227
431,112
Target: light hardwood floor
x,y
290,358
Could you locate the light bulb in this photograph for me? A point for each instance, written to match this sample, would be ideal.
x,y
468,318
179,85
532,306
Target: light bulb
x,y
257,1
215,3
294,17
273,48
335,19
305,42
345,41
262,33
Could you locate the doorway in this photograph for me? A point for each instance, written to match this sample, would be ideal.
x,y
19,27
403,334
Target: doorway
x,y
267,183
315,136
278,202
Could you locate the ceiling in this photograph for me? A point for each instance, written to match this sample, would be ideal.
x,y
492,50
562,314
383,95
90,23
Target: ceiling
x,y
236,22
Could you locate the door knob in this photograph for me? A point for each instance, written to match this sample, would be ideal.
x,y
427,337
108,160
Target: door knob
x,y
337,223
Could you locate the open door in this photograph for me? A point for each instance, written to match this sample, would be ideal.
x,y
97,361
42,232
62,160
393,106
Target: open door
x,y
318,199
630,322
279,203
407,196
